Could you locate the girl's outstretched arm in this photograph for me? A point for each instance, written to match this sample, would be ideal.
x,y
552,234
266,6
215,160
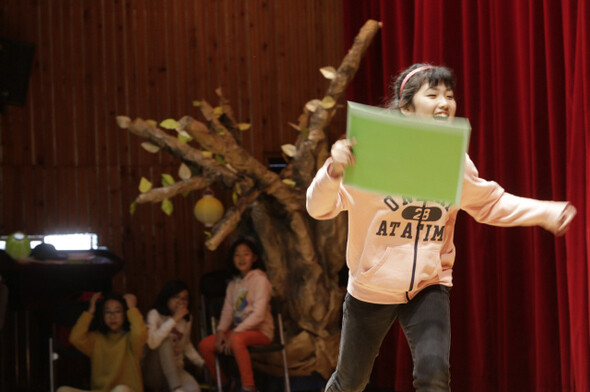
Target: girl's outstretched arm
x,y
487,202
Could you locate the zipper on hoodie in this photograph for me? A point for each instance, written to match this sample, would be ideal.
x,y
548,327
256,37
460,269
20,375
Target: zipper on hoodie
x,y
416,242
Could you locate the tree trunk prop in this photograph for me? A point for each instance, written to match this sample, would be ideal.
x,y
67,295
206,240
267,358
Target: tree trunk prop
x,y
303,256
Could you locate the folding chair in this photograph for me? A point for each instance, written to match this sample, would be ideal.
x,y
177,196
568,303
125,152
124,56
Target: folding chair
x,y
277,345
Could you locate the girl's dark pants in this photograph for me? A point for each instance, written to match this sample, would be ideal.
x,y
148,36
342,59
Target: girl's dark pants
x,y
426,323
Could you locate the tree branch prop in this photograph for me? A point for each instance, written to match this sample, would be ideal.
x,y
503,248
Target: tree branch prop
x,y
157,195
267,181
303,256
317,115
212,169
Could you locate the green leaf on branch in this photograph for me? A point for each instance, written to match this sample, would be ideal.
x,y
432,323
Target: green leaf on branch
x,y
289,150
169,123
167,179
132,207
244,126
184,172
150,147
328,102
289,182
184,137
144,185
167,207
328,72
220,159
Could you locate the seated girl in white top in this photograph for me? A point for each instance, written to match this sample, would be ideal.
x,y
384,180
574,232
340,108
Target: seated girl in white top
x,y
169,326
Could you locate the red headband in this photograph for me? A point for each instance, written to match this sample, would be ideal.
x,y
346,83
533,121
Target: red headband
x,y
408,76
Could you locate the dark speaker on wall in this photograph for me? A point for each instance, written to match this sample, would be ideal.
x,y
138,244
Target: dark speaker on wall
x,y
16,60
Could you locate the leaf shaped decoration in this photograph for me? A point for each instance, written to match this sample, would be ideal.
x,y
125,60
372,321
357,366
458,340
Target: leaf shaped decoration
x,y
144,185
207,234
169,123
153,123
289,150
167,179
220,159
289,182
197,104
123,122
328,72
207,154
218,111
238,188
150,147
167,207
184,172
184,137
132,207
328,102
244,126
235,197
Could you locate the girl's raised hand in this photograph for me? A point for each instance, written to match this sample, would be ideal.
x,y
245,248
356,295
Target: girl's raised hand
x,y
93,299
131,300
342,157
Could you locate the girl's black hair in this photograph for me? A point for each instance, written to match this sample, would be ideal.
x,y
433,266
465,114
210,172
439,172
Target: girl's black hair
x,y
98,323
170,290
433,76
258,264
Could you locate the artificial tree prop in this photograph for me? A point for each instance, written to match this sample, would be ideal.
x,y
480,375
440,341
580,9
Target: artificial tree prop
x,y
303,256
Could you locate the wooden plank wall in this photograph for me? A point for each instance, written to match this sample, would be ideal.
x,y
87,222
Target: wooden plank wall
x,y
67,167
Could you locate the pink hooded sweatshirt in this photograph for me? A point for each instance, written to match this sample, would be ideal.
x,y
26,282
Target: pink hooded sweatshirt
x,y
247,304
397,246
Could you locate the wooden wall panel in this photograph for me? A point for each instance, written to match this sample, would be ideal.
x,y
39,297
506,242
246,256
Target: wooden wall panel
x,y
67,167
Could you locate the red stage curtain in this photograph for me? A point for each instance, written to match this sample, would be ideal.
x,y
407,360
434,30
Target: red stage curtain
x,y
521,299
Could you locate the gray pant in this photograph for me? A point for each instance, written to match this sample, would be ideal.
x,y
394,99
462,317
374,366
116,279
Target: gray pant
x,y
160,371
426,323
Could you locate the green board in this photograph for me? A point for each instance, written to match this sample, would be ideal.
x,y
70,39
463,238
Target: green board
x,y
400,155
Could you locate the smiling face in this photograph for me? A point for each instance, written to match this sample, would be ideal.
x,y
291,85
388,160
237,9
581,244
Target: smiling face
x,y
178,301
436,102
114,316
244,258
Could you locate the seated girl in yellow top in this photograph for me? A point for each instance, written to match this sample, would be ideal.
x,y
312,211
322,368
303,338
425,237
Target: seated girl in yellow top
x,y
115,347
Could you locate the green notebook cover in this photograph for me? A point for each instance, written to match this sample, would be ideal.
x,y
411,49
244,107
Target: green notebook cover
x,y
399,155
